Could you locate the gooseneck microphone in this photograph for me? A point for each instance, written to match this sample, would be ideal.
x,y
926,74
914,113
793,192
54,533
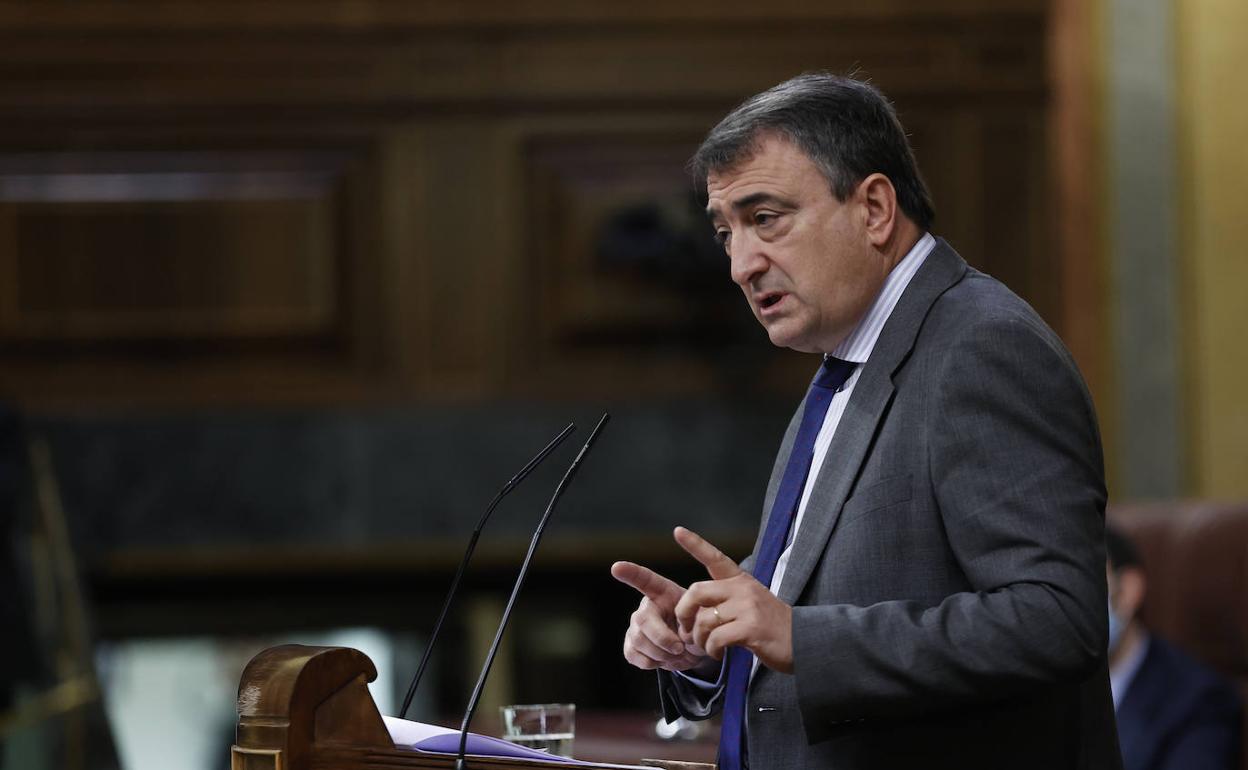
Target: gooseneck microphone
x,y
460,763
472,545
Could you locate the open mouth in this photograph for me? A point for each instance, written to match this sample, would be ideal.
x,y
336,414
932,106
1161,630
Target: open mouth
x,y
770,300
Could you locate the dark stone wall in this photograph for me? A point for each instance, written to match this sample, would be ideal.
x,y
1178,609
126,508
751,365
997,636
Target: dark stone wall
x,y
367,476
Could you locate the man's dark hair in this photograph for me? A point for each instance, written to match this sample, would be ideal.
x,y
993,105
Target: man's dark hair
x,y
1121,551
847,127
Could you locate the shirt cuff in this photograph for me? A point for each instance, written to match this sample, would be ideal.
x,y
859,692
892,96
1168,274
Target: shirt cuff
x,y
703,684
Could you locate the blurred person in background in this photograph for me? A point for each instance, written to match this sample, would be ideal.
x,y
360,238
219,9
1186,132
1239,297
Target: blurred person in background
x,y
1173,713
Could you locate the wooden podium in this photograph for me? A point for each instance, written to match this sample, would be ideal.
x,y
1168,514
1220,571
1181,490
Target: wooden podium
x,y
308,708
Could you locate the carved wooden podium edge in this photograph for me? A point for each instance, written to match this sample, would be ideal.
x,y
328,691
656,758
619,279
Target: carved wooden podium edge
x,y
308,708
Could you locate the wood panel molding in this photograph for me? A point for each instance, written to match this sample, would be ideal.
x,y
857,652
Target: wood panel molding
x,y
162,246
435,231
968,52
349,15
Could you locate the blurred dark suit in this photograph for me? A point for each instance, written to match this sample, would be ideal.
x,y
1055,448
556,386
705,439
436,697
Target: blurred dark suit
x,y
1178,715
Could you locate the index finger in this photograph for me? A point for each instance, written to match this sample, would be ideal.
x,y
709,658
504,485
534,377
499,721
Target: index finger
x,y
651,584
718,566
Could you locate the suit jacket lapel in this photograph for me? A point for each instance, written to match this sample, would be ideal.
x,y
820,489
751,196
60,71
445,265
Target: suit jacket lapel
x,y
871,396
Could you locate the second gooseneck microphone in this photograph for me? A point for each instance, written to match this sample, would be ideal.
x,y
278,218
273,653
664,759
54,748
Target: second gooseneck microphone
x,y
472,544
460,763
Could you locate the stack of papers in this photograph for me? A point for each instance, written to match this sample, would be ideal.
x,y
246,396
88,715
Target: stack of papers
x,y
443,740
435,739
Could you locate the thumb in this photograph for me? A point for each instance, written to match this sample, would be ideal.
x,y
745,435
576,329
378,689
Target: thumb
x,y
718,566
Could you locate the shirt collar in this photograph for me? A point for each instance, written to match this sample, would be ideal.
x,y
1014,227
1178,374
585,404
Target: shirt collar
x,y
861,341
1121,675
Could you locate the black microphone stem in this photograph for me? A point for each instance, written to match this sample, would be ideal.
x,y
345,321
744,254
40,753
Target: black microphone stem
x,y
472,545
460,763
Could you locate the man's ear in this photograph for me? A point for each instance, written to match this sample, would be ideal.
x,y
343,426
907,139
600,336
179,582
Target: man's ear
x,y
879,200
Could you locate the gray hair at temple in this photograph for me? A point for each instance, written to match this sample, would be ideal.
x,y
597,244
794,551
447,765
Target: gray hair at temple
x,y
846,126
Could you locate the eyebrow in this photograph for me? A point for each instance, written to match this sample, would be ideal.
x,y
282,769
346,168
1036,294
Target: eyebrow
x,y
752,200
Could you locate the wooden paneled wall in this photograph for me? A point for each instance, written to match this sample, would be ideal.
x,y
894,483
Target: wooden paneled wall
x,y
357,201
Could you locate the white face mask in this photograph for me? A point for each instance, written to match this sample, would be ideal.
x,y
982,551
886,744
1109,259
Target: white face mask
x,y
1116,626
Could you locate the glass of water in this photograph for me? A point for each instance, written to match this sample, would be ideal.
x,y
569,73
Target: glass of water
x,y
545,726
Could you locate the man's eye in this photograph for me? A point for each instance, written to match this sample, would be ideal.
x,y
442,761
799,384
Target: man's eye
x,y
764,218
721,237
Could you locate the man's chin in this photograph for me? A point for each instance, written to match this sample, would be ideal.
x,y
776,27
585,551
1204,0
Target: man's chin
x,y
776,335
787,338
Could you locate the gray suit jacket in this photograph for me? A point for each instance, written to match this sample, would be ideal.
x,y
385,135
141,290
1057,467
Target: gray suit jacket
x,y
948,580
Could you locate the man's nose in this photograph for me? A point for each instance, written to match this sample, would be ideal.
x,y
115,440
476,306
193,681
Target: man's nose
x,y
747,259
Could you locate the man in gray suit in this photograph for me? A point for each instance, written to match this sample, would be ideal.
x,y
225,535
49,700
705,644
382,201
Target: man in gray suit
x,y
928,586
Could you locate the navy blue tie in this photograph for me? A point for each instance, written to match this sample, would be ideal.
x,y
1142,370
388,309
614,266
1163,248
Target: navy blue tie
x,y
740,661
